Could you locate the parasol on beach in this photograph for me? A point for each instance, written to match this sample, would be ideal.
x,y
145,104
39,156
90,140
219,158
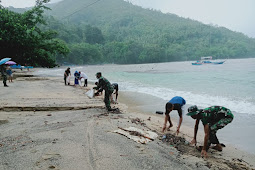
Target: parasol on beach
x,y
10,63
4,60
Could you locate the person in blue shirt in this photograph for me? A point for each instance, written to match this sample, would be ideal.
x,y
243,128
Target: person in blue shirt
x,y
76,78
175,103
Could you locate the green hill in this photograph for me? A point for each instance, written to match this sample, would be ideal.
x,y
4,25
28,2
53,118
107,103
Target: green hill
x,y
115,31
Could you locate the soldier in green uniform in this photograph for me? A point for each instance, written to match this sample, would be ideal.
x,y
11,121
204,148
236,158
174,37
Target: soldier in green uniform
x,y
4,74
213,119
104,84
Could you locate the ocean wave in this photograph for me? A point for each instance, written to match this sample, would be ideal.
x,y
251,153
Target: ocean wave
x,y
239,105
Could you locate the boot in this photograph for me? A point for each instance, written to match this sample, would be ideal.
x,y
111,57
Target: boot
x,y
218,147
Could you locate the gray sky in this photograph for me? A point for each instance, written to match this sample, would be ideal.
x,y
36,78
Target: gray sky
x,y
21,3
237,15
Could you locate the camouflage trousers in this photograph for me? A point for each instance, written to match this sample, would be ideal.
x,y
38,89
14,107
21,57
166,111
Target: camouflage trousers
x,y
214,127
107,101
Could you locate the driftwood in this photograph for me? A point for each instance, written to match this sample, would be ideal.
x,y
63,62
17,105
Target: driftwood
x,y
136,133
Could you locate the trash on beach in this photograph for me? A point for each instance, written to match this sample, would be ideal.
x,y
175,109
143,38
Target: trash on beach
x,y
180,143
159,112
138,135
90,93
138,121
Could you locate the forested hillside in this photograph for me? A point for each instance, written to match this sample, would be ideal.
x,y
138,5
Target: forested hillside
x,y
115,31
124,33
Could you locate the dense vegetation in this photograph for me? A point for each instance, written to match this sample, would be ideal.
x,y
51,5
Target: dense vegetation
x,y
124,33
22,40
115,31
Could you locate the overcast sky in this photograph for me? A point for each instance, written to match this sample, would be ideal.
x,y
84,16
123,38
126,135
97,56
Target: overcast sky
x,y
237,15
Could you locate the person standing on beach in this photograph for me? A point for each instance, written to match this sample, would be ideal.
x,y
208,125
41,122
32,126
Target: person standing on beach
x,y
4,74
213,119
66,75
85,77
76,78
116,88
175,103
9,73
105,85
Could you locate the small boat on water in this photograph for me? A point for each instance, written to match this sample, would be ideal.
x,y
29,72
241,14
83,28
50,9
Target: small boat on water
x,y
21,67
207,60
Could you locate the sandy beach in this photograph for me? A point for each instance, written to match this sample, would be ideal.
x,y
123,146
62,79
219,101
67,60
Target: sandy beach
x,y
47,125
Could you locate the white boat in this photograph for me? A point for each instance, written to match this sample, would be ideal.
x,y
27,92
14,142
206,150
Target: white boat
x,y
207,60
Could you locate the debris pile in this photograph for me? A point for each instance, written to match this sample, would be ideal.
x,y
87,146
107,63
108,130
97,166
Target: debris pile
x,y
177,142
138,121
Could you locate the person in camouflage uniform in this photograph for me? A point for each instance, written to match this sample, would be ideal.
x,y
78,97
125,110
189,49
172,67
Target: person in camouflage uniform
x,y
213,119
104,84
4,74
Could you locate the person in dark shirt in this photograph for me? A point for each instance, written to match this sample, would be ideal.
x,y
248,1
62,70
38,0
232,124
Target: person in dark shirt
x,y
4,74
213,119
104,84
66,74
175,103
116,88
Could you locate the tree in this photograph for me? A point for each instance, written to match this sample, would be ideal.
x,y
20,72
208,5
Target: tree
x,y
23,40
84,53
93,35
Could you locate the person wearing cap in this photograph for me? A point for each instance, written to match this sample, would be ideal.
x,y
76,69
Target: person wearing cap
x,y
105,85
67,74
213,119
175,103
85,77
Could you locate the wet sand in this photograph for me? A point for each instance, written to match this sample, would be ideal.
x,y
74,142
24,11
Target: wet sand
x,y
47,125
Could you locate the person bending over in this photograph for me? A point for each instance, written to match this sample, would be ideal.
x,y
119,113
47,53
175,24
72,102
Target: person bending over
x,y
175,103
85,77
105,85
213,119
116,88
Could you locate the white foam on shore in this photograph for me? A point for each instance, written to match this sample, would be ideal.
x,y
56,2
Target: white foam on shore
x,y
243,105
202,100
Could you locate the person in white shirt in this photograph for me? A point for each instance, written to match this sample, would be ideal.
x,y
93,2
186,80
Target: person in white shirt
x,y
85,77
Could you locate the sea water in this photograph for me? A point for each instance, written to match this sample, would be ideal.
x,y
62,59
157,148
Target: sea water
x,y
231,85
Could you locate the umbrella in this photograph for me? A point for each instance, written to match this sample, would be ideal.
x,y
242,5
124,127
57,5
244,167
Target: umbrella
x,y
10,63
4,60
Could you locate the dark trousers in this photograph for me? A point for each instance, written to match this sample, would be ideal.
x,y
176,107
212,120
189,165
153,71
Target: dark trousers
x,y
65,80
215,127
107,102
85,82
4,79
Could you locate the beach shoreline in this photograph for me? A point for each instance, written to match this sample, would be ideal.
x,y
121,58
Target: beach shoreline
x,y
135,103
55,132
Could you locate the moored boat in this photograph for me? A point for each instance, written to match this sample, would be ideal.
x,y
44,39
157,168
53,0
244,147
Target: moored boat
x,y
207,60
